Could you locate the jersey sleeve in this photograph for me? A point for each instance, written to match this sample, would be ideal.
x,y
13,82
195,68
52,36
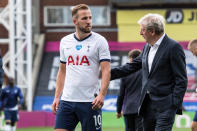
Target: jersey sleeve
x,y
62,56
104,53
20,95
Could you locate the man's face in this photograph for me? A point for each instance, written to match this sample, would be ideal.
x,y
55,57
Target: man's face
x,y
147,35
130,59
84,21
194,50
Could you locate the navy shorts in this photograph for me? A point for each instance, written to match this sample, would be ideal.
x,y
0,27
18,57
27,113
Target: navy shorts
x,y
11,115
195,117
69,114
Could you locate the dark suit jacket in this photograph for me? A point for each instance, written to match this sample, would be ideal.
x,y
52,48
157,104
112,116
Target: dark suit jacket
x,y
130,91
167,80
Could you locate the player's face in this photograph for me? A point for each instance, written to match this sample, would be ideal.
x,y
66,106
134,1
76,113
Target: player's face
x,y
130,60
147,35
194,50
84,21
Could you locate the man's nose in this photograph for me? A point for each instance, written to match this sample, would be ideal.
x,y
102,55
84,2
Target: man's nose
x,y
89,21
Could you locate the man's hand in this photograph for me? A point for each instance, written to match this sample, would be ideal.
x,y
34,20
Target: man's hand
x,y
55,104
98,102
118,115
19,106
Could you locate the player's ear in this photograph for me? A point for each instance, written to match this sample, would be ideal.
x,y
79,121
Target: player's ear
x,y
74,20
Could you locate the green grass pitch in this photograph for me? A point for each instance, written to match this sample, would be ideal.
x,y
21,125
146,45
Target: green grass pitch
x,y
110,123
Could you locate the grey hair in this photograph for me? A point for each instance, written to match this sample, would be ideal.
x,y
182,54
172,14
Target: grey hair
x,y
153,21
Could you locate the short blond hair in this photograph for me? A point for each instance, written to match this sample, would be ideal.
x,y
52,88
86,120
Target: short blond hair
x,y
79,7
192,43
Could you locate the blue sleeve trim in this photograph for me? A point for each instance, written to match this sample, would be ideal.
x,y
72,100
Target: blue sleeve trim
x,y
105,60
62,62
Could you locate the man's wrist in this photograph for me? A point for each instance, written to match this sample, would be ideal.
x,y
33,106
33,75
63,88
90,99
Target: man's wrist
x,y
102,95
56,97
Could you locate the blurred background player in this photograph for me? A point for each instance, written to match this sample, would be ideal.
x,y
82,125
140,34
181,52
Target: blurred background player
x,y
81,55
192,46
128,98
12,100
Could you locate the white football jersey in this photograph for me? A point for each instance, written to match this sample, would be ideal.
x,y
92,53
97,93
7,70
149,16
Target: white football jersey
x,y
82,59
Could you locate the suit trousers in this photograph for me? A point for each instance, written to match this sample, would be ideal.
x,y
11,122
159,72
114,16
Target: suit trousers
x,y
133,122
155,120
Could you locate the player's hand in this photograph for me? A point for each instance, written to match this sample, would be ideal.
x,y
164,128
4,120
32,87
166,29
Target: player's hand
x,y
19,107
55,104
118,115
98,102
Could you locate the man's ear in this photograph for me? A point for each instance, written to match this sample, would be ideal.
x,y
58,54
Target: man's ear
x,y
152,32
74,20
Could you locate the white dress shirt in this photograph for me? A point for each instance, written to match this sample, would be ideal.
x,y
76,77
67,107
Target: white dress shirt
x,y
153,51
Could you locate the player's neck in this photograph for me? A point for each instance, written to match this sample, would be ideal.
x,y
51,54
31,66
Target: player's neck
x,y
81,35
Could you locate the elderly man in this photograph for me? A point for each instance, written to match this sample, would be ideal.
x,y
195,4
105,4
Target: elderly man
x,y
164,77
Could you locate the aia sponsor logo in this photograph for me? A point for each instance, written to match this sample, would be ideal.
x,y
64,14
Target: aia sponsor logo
x,y
78,60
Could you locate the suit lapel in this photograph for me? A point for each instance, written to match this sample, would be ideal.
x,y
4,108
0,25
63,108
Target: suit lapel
x,y
145,56
148,49
158,54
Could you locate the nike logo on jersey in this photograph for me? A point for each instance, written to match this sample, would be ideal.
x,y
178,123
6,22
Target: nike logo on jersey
x,y
68,48
78,60
97,128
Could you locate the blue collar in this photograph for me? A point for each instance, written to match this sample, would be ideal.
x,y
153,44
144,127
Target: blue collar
x,y
83,38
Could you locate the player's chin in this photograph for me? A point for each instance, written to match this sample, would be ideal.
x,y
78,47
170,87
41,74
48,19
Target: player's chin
x,y
88,29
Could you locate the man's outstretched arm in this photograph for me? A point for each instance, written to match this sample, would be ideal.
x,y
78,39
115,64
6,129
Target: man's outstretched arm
x,y
127,69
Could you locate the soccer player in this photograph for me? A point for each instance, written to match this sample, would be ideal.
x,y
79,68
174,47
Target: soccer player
x,y
12,100
81,55
192,46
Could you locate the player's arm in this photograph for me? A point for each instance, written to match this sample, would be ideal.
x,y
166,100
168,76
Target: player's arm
x,y
105,73
59,86
21,98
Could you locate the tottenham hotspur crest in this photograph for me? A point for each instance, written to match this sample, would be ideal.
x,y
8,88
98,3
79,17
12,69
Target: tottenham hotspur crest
x,y
88,48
